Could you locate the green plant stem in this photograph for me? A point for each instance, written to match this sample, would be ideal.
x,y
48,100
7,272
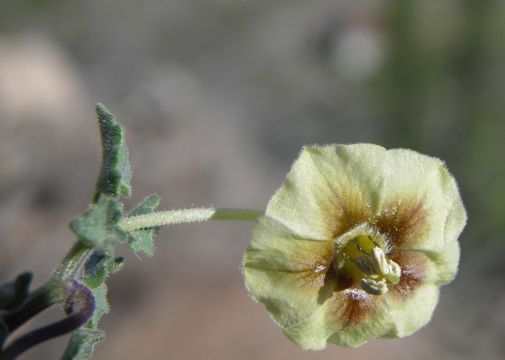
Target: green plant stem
x,y
80,252
54,290
186,216
72,261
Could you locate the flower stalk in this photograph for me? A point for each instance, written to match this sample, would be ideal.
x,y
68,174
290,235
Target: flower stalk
x,y
171,217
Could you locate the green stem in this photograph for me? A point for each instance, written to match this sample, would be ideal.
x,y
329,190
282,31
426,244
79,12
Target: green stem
x,y
54,290
72,261
186,216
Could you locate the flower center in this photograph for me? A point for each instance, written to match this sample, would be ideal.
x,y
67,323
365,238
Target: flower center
x,y
364,260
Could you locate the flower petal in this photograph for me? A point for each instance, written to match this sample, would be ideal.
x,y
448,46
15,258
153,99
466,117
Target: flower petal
x,y
420,208
362,317
285,272
388,316
328,190
406,308
411,313
353,317
348,318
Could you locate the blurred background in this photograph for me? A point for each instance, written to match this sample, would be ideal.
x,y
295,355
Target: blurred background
x,y
217,98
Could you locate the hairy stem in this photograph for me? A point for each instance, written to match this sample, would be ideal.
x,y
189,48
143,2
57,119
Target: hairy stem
x,y
44,297
72,261
79,307
54,290
186,216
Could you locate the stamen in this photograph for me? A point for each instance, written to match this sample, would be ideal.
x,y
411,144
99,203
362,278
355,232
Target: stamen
x,y
374,269
366,264
361,258
377,269
381,260
394,274
374,287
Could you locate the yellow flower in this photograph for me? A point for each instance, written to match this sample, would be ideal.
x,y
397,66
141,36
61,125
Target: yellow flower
x,y
355,244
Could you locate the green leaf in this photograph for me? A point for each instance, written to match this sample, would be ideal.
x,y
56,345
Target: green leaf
x,y
146,205
115,173
97,226
102,306
82,344
98,267
83,341
142,240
